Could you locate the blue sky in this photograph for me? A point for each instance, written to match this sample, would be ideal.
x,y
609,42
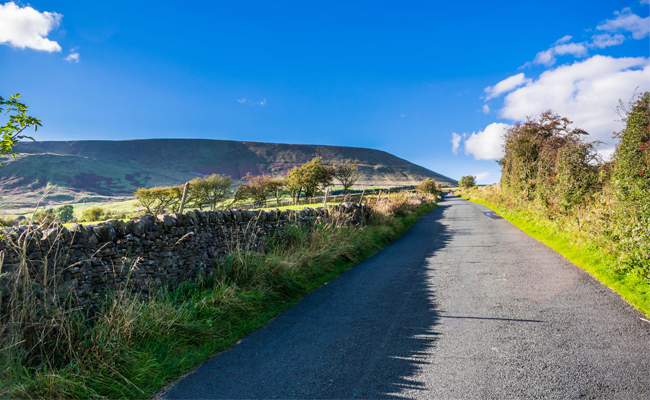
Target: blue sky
x,y
432,82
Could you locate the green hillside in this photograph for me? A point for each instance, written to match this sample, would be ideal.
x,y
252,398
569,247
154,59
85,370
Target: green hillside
x,y
106,169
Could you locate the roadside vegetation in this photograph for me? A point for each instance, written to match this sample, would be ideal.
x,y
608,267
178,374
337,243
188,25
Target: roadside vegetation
x,y
555,186
132,346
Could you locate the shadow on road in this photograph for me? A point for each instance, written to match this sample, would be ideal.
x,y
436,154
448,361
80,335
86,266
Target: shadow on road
x,y
364,335
413,334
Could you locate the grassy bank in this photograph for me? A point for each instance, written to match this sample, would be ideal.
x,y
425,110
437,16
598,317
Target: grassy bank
x,y
585,253
132,347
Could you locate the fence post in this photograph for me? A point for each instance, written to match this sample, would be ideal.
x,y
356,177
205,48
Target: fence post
x,y
185,189
361,198
325,201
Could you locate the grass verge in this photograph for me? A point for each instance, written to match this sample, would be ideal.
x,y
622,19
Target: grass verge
x,y
133,346
585,255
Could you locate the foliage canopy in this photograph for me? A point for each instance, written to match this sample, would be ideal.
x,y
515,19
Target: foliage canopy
x,y
12,132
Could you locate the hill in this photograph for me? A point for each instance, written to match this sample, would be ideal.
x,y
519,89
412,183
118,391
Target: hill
x,y
95,170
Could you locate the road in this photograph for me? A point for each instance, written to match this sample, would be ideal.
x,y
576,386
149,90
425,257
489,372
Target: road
x,y
462,306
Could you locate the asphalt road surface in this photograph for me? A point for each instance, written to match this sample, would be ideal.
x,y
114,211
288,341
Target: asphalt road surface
x,y
464,305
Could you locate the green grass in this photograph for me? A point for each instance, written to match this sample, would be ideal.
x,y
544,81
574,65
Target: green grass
x,y
585,255
135,347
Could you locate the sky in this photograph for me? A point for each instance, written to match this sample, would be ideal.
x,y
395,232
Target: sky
x,y
435,83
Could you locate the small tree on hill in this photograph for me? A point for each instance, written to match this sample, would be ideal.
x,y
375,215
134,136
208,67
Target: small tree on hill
x,y
209,191
428,186
156,200
65,213
92,214
467,181
309,177
347,173
258,188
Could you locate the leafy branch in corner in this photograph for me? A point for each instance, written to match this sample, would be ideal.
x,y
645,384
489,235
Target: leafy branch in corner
x,y
18,122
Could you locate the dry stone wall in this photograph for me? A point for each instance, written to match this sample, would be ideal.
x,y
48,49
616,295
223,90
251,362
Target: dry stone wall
x,y
85,260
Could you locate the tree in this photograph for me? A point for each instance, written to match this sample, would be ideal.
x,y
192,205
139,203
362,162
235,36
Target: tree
x,y
156,200
310,177
18,122
631,187
209,191
467,181
259,188
530,151
92,214
347,173
428,186
65,213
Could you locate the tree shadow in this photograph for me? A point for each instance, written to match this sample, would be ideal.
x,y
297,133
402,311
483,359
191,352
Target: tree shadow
x,y
366,334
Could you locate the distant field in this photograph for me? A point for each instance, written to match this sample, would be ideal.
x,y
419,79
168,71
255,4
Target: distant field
x,y
130,206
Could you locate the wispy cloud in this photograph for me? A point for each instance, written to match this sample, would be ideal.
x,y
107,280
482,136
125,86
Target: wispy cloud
x,y
505,86
607,40
455,142
252,103
626,21
24,27
548,57
73,56
486,109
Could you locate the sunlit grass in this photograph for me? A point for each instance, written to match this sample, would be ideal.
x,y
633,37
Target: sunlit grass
x,y
584,254
133,347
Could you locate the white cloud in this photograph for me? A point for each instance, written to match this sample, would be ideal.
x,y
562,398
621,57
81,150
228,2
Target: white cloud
x,y
607,153
486,145
547,57
563,39
586,92
627,21
486,109
27,28
252,103
455,142
73,56
607,40
506,85
482,176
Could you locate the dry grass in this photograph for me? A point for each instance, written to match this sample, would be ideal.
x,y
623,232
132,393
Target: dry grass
x,y
131,345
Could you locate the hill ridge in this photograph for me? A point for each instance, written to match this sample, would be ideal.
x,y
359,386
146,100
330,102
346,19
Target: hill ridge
x,y
109,168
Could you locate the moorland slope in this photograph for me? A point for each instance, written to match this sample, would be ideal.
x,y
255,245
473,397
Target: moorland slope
x,y
96,169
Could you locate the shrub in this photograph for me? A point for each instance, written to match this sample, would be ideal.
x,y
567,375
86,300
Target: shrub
x,y
208,191
467,181
65,213
259,188
156,200
631,186
92,214
429,186
7,221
